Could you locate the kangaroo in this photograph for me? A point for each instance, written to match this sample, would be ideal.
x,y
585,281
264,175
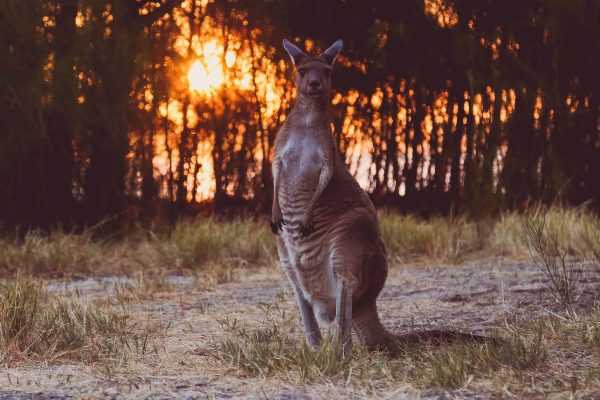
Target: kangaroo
x,y
328,235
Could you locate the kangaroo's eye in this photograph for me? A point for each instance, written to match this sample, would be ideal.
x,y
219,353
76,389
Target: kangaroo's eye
x,y
301,72
327,73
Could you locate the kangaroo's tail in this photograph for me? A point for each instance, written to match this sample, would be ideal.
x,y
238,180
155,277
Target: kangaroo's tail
x,y
372,333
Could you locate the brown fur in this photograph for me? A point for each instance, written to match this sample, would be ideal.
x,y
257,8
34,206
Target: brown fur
x,y
330,243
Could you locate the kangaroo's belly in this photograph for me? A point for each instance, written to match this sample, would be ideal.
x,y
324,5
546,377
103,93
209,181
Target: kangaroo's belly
x,y
311,269
294,198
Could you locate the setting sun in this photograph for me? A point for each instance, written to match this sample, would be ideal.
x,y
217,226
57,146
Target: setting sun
x,y
203,79
198,77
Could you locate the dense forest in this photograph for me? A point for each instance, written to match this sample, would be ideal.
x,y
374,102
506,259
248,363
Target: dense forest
x,y
134,109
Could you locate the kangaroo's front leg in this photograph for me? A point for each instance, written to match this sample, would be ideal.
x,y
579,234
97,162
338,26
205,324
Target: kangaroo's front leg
x,y
343,317
306,226
276,215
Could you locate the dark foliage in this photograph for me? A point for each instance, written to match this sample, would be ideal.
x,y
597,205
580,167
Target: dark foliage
x,y
466,105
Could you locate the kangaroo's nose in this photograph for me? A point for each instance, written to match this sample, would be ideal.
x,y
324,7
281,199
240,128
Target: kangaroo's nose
x,y
314,85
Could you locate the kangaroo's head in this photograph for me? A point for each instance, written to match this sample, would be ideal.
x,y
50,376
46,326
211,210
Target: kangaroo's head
x,y
313,75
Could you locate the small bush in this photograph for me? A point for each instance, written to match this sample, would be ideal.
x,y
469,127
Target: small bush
x,y
551,239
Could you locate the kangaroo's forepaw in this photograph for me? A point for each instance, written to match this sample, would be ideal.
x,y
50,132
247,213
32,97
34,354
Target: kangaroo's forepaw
x,y
306,229
276,225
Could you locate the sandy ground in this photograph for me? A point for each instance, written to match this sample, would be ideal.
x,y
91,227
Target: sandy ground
x,y
472,297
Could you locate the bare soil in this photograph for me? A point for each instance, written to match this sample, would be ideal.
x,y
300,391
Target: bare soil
x,y
180,363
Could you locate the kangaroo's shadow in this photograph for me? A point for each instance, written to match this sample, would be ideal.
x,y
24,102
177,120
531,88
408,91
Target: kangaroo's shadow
x,y
401,344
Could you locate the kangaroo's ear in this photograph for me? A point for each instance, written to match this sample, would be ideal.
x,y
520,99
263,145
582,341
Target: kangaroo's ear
x,y
332,52
295,53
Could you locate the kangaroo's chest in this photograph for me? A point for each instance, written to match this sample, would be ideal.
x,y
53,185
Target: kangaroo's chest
x,y
302,158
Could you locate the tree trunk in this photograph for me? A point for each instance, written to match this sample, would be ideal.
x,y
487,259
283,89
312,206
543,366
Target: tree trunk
x,y
455,170
416,121
62,118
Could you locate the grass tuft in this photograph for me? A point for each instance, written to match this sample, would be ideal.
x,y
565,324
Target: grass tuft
x,y
590,327
40,325
276,347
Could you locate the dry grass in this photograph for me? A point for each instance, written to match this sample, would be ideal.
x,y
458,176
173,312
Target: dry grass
x,y
143,286
265,351
38,325
221,247
549,356
454,239
97,327
193,244
59,254
208,245
220,340
591,238
443,239
276,348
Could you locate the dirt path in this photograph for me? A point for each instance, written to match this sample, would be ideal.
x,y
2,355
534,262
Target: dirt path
x,y
473,297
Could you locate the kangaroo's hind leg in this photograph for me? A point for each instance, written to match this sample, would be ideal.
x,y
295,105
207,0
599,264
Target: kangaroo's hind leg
x,y
365,318
360,269
311,326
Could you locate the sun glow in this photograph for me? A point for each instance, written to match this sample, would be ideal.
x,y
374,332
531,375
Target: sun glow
x,y
203,79
207,72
